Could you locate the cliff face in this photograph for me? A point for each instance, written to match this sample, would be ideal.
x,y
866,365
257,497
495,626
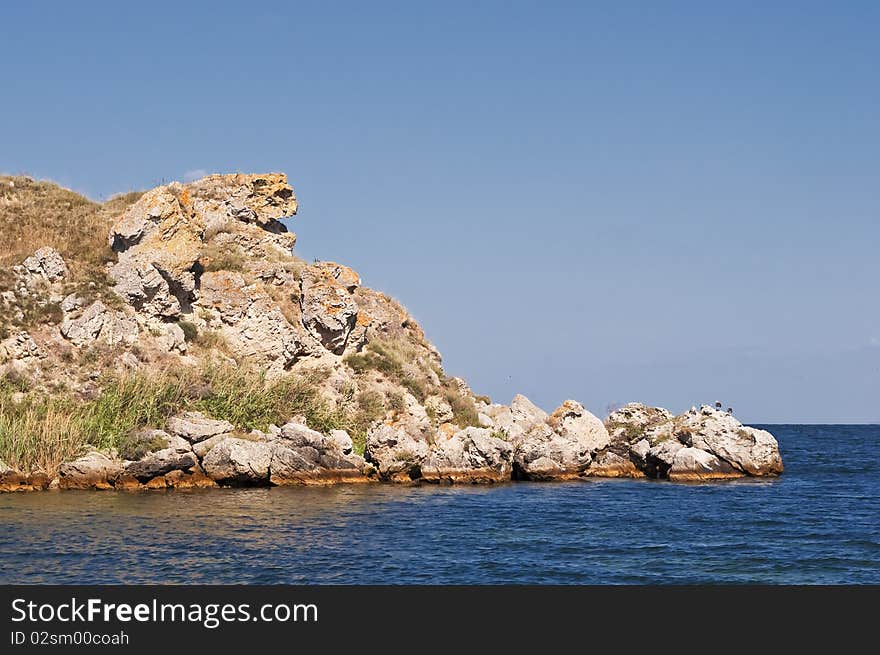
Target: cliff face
x,y
172,338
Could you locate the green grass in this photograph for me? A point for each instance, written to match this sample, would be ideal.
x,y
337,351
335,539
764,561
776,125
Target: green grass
x,y
37,213
39,432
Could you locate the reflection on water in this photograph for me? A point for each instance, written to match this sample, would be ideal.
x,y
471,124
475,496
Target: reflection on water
x,y
815,524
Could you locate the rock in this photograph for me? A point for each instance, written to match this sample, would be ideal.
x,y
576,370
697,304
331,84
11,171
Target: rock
x,y
638,452
303,456
239,462
168,337
72,303
441,410
94,470
396,455
571,421
542,453
202,448
158,242
329,310
754,452
611,465
298,434
695,465
342,440
470,455
252,325
45,264
261,199
311,466
20,346
635,421
176,456
195,426
98,322
10,479
520,417
659,458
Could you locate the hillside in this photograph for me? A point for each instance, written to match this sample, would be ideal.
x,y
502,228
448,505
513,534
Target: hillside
x,y
172,338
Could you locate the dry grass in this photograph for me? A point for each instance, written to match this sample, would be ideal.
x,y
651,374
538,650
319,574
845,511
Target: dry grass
x,y
34,214
403,362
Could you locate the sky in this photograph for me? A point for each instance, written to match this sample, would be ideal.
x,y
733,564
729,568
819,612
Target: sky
x,y
670,202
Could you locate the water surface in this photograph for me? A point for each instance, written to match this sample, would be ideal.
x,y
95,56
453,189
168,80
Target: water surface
x,y
819,523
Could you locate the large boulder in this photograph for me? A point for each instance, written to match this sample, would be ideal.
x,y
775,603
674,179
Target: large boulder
x,y
310,465
634,422
196,427
556,447
329,310
474,455
10,479
752,451
397,455
571,421
177,455
239,462
94,470
659,457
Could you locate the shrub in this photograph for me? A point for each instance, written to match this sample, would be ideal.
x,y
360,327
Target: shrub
x,y
222,257
464,411
190,331
400,361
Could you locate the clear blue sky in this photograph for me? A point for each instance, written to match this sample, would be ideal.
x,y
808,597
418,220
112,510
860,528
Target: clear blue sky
x,y
669,202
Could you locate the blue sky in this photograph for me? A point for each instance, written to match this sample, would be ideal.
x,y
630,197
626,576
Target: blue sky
x,y
669,202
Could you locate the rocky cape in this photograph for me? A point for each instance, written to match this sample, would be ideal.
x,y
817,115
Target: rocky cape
x,y
207,270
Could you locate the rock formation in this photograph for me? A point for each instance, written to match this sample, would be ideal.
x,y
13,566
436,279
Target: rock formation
x,y
201,278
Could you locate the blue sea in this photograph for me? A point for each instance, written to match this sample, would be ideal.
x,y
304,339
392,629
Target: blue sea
x,y
817,524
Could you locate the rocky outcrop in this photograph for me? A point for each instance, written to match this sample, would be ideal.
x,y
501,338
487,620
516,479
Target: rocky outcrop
x,y
250,322
472,455
159,240
329,310
751,451
301,456
704,444
204,276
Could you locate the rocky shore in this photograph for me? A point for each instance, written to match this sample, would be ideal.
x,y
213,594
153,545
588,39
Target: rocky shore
x,y
231,362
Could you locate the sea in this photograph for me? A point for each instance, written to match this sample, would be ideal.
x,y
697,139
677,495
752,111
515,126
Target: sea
x,y
819,523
